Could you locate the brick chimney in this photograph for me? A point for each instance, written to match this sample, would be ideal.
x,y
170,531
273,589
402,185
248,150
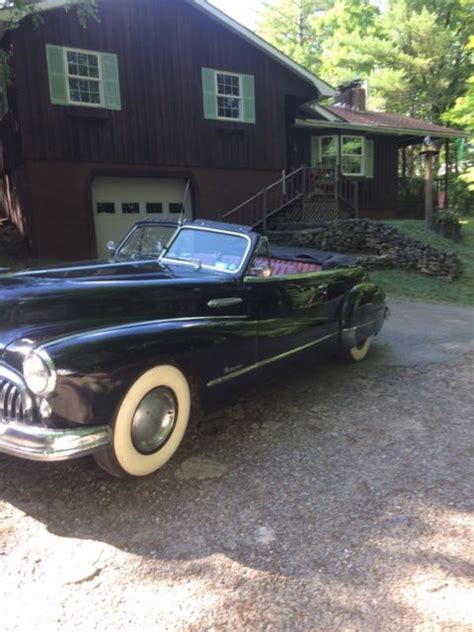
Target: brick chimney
x,y
352,95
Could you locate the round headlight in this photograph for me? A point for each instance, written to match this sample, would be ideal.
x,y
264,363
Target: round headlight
x,y
39,373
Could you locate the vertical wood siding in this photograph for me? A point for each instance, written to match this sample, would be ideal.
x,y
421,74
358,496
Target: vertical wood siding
x,y
161,46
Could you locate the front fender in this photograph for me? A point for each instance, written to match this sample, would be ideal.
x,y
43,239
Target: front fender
x,y
96,368
363,313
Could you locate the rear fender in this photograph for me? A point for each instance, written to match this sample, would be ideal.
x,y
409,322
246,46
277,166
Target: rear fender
x,y
363,314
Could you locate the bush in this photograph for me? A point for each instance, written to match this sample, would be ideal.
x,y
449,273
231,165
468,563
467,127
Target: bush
x,y
460,198
446,217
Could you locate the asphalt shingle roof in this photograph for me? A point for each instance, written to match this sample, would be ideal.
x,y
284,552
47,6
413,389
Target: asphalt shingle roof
x,y
386,119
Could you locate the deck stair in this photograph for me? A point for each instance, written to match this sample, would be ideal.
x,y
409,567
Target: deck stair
x,y
306,196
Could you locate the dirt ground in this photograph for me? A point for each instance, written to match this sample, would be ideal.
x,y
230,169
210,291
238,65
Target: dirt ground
x,y
335,497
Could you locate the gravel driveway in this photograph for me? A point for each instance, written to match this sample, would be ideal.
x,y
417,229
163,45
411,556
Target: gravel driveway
x,y
339,497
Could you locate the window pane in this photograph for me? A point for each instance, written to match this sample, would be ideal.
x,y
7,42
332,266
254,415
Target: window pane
x,y
84,91
329,162
352,165
220,251
105,207
352,145
154,208
83,65
228,85
329,146
175,207
228,107
131,208
147,241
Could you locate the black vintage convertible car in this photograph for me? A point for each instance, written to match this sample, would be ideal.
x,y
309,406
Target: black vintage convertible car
x,y
109,358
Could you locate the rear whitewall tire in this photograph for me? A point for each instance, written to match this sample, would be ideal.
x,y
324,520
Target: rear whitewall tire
x,y
360,352
122,458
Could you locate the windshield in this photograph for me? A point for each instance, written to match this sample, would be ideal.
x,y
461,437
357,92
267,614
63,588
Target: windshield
x,y
220,251
146,241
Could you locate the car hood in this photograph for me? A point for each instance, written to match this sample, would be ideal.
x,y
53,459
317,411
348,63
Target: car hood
x,y
40,305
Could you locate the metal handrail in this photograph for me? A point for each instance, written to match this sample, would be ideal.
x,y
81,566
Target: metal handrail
x,y
293,187
285,184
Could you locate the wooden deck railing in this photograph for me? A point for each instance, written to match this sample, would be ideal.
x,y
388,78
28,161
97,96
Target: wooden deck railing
x,y
257,209
305,182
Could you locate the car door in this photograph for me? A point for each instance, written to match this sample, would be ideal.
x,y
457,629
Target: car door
x,y
294,312
233,333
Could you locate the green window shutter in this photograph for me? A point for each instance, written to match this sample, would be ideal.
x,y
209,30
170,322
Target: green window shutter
x,y
110,81
57,75
248,100
369,158
209,93
315,151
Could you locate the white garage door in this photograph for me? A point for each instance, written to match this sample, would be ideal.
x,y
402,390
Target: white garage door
x,y
121,202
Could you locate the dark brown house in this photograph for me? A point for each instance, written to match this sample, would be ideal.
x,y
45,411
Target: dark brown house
x,y
105,126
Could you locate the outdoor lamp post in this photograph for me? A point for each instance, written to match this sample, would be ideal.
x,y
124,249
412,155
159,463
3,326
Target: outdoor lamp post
x,y
429,150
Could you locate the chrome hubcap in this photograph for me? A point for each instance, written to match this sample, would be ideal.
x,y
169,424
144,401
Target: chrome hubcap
x,y
154,420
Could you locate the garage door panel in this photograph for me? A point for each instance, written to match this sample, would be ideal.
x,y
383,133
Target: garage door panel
x,y
119,203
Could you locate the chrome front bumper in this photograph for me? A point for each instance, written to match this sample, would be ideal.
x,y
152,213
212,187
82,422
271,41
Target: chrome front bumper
x,y
45,444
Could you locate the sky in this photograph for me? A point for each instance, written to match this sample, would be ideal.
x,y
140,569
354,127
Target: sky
x,y
247,11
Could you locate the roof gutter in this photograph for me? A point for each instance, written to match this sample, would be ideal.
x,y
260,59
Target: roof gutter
x,y
379,129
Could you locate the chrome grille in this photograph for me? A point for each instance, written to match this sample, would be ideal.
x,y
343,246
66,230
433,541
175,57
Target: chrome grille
x,y
15,402
11,402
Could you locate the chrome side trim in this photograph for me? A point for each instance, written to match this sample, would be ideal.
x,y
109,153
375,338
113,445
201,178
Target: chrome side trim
x,y
356,327
92,266
45,444
262,363
146,323
225,302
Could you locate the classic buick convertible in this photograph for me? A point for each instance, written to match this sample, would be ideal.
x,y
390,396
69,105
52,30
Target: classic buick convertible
x,y
110,358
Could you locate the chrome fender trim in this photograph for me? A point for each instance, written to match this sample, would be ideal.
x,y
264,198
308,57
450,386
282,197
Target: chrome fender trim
x,y
46,444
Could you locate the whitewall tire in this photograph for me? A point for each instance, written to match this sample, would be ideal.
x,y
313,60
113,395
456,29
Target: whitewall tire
x,y
360,352
150,423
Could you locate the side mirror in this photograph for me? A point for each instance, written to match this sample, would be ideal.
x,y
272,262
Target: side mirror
x,y
111,247
261,272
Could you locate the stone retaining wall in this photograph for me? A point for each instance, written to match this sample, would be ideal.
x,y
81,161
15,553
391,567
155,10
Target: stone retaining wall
x,y
379,245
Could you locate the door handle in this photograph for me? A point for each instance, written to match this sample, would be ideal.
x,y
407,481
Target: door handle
x,y
224,302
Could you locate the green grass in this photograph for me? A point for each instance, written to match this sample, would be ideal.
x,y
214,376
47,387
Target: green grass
x,y
416,286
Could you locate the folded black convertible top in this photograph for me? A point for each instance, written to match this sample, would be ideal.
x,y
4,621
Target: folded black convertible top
x,y
328,260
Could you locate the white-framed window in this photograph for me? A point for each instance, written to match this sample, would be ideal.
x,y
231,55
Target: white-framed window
x,y
353,155
229,96
329,152
84,80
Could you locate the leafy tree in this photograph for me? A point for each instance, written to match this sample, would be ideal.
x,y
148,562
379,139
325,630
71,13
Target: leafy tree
x,y
413,52
293,26
20,9
423,44
347,21
462,115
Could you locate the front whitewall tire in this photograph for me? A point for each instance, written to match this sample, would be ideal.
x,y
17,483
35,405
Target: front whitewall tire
x,y
129,459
